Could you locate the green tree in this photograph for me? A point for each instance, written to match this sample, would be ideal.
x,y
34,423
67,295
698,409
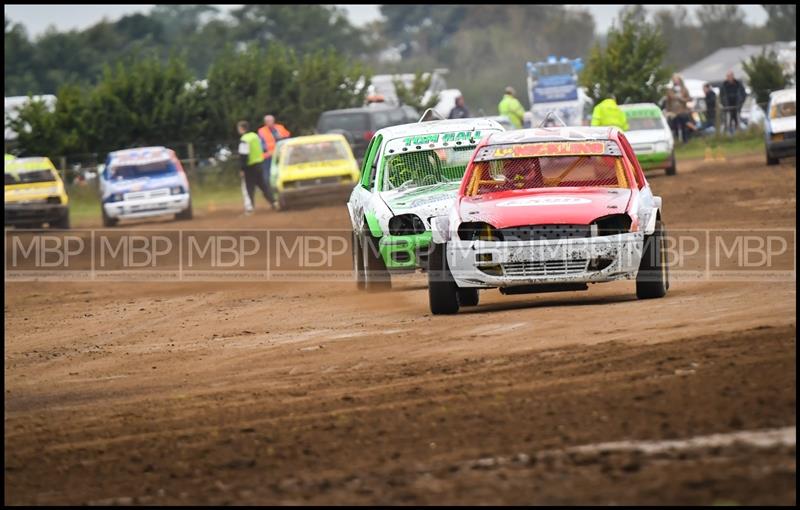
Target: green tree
x,y
782,20
766,74
415,94
631,66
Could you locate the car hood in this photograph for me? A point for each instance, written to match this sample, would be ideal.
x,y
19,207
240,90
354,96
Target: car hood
x,y
519,208
783,124
646,136
425,201
317,169
145,183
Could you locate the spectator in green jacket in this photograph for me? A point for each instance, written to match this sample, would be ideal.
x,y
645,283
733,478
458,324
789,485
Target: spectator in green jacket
x,y
511,107
608,113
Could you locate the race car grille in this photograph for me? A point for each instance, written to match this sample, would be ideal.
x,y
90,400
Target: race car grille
x,y
545,232
144,195
545,268
304,183
791,135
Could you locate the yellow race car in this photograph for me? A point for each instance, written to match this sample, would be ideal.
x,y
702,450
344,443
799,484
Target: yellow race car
x,y
312,169
35,194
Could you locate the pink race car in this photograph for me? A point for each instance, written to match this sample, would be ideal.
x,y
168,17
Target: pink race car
x,y
548,209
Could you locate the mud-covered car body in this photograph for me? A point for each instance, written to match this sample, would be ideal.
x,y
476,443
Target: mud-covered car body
x,y
410,174
34,194
312,168
781,127
547,209
143,182
650,136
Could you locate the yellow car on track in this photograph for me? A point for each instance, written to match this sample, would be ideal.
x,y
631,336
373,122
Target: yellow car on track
x,y
312,168
34,194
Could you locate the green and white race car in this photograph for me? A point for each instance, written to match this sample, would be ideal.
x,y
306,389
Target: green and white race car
x,y
410,173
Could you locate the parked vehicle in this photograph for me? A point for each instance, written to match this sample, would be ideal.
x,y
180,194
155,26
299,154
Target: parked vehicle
x,y
650,135
34,194
358,125
312,168
142,183
544,210
780,131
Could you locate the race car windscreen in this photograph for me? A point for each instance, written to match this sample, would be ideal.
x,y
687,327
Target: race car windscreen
x,y
425,168
643,123
30,176
156,168
546,172
315,152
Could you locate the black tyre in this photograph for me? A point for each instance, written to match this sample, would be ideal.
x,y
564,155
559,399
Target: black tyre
x,y
772,161
358,269
108,221
443,292
376,276
61,223
672,169
652,280
468,296
186,214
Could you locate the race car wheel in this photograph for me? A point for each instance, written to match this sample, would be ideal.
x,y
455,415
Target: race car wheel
x,y
376,276
186,214
358,270
443,293
62,223
652,280
672,168
468,297
772,161
109,221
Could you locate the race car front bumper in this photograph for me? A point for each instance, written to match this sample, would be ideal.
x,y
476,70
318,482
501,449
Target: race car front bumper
x,y
33,212
513,263
655,160
147,207
406,251
311,193
783,148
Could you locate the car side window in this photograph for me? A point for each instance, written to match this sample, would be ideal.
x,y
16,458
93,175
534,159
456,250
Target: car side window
x,y
365,165
631,156
370,163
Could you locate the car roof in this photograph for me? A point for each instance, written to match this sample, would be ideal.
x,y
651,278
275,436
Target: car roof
x,y
141,155
438,126
639,106
782,96
300,140
553,134
31,163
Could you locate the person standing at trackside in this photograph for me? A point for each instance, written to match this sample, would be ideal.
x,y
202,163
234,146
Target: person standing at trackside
x,y
732,96
511,107
459,111
608,113
271,132
711,107
677,107
251,156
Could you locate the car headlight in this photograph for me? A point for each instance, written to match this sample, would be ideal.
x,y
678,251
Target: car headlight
x,y
611,225
662,147
176,190
115,197
478,231
406,224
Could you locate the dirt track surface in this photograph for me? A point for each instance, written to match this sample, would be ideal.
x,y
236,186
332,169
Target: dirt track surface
x,y
309,393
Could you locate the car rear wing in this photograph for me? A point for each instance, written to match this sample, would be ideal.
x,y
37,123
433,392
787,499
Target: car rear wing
x,y
430,114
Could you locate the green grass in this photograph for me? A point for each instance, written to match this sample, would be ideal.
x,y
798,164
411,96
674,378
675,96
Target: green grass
x,y
743,142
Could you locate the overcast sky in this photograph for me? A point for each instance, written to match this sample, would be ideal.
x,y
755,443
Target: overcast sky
x,y
37,18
